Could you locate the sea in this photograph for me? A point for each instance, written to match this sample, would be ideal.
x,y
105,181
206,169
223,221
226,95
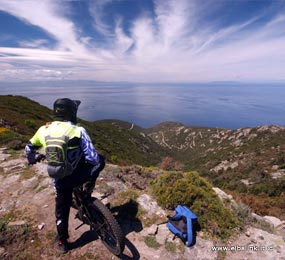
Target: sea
x,y
219,104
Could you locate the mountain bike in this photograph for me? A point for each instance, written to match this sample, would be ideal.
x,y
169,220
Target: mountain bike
x,y
93,212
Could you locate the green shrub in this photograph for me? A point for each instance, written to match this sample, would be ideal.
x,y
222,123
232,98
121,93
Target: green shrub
x,y
170,247
173,188
114,158
31,123
6,135
11,139
150,241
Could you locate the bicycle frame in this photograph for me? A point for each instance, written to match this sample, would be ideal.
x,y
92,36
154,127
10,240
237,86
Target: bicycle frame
x,y
82,206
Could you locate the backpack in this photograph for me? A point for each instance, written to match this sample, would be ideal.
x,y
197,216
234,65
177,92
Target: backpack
x,y
182,224
56,152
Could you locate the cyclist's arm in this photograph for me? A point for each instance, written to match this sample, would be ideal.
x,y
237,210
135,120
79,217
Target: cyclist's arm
x,y
34,144
88,149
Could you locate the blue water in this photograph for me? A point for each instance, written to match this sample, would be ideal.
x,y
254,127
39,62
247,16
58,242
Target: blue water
x,y
214,105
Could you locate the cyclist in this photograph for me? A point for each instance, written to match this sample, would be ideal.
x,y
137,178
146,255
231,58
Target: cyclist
x,y
81,150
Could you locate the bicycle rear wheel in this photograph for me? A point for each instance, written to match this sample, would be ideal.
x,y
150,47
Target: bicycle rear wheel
x,y
107,227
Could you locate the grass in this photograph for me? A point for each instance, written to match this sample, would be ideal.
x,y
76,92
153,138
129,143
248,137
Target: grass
x,y
150,220
170,247
50,235
88,256
16,239
40,188
151,242
28,173
124,196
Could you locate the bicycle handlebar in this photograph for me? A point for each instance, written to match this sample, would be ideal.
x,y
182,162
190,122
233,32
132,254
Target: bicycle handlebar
x,y
40,157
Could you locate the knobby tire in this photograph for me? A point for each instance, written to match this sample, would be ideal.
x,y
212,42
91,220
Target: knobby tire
x,y
109,230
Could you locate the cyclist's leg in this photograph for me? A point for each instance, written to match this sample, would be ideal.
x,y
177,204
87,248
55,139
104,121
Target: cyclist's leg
x,y
95,170
83,173
86,173
94,173
62,207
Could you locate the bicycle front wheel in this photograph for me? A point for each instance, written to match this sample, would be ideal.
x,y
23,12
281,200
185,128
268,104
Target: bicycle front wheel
x,y
107,227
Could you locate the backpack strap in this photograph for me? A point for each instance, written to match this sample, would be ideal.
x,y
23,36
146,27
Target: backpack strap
x,y
191,219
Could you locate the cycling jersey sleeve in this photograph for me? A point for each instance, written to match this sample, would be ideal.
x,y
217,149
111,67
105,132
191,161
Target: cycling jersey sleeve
x,y
34,144
88,149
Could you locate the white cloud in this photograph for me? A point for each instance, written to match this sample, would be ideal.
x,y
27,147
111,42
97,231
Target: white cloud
x,y
40,43
165,47
47,16
96,9
172,19
123,42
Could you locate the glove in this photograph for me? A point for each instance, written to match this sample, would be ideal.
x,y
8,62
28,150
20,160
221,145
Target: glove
x,y
30,153
31,158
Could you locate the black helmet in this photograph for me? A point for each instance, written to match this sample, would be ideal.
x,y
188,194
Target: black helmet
x,y
65,109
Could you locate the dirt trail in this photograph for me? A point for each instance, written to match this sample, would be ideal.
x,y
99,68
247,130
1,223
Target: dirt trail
x,y
28,193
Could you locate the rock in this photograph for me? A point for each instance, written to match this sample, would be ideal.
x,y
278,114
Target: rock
x,y
118,186
163,234
30,183
202,250
254,241
275,167
275,222
2,250
17,223
41,226
255,247
13,166
225,165
7,204
150,205
222,195
272,129
46,182
10,180
41,169
257,217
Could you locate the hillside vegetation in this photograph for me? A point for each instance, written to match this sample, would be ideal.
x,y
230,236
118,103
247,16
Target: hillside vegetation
x,y
249,163
21,117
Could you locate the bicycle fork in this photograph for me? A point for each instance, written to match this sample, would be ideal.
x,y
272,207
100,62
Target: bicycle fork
x,y
83,210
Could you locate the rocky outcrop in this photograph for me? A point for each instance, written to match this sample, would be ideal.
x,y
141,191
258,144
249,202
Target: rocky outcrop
x,y
29,190
180,137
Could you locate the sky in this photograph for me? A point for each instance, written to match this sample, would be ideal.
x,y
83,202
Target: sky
x,y
142,40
